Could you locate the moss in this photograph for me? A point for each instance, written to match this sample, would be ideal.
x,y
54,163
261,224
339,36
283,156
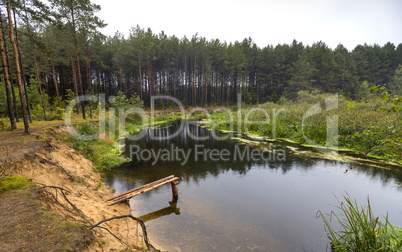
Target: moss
x,y
49,129
13,183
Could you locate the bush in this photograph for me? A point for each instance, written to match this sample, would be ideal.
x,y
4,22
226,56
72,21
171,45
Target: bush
x,y
4,125
86,128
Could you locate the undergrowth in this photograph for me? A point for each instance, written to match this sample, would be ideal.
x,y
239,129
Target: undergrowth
x,y
361,230
361,126
104,155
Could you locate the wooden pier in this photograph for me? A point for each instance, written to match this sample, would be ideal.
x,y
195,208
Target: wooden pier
x,y
146,188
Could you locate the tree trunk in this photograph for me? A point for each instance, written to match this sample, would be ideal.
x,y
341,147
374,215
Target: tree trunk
x,y
78,62
12,90
6,78
99,81
8,65
17,68
216,89
75,84
55,83
223,88
139,68
120,78
22,70
151,89
203,89
174,78
36,67
89,83
185,79
195,81
126,83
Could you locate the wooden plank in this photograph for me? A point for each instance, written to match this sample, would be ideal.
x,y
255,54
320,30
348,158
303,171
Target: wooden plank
x,y
139,188
124,195
133,194
144,190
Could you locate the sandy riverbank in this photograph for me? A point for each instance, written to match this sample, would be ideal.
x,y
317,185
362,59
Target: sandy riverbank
x,y
50,162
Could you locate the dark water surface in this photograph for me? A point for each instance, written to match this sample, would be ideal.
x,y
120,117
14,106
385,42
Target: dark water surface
x,y
244,205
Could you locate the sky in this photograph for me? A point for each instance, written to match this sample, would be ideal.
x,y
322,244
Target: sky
x,y
267,22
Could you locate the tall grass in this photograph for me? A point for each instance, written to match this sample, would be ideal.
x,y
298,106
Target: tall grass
x,y
361,230
102,154
360,127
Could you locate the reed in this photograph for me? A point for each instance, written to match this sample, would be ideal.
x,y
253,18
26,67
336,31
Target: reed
x,y
360,229
361,127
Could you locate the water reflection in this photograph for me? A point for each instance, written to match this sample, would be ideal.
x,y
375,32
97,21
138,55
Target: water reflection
x,y
245,205
172,208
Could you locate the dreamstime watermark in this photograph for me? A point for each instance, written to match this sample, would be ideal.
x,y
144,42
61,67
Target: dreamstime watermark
x,y
238,122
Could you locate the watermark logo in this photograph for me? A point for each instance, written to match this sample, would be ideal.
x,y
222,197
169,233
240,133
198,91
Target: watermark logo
x,y
331,103
200,153
238,122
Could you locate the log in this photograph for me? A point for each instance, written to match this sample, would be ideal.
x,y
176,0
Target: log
x,y
146,188
139,188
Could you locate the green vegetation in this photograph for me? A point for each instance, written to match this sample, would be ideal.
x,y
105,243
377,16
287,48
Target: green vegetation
x,y
13,183
361,230
64,55
361,126
62,59
104,155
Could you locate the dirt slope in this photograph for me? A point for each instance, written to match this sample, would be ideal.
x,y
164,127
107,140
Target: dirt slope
x,y
50,162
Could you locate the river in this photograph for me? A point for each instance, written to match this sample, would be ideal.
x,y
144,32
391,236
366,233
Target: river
x,y
240,203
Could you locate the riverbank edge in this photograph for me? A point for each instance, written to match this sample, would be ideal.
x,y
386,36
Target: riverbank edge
x,y
53,163
298,149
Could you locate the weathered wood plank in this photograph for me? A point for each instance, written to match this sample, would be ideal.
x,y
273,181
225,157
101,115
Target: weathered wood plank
x,y
142,189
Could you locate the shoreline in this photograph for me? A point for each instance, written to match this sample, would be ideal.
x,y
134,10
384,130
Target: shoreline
x,y
259,141
50,162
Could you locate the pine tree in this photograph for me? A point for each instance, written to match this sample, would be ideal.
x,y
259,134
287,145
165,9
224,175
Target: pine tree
x,y
17,67
6,78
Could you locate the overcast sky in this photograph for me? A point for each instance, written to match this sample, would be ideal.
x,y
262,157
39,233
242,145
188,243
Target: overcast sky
x,y
350,22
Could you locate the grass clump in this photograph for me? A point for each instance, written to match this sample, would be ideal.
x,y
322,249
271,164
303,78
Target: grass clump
x,y
104,156
362,231
13,183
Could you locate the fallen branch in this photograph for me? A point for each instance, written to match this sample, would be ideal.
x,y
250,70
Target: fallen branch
x,y
144,230
52,198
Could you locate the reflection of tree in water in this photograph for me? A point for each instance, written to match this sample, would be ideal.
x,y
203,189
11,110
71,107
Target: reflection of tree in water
x,y
195,171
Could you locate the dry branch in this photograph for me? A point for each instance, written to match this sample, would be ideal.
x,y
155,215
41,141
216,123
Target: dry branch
x,y
144,230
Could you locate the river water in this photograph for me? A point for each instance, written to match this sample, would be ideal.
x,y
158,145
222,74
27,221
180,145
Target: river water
x,y
239,203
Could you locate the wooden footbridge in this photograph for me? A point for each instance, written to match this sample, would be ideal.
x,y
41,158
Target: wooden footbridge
x,y
146,188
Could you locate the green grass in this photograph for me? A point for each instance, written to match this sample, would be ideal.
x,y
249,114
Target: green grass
x,y
361,127
361,230
13,183
105,155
